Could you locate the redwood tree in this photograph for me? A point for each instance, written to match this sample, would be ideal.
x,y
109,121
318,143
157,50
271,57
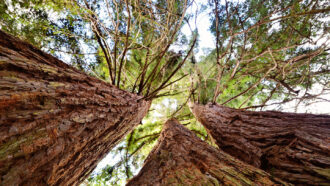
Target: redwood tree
x,y
181,158
56,122
294,147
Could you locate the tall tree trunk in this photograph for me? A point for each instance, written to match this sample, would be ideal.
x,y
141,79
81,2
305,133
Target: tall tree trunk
x,y
181,158
293,147
56,123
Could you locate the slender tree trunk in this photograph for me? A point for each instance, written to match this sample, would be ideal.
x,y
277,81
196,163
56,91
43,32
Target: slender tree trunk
x,y
181,158
293,147
56,123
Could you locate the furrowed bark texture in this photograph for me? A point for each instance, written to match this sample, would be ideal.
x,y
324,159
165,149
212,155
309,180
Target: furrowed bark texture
x,y
293,147
56,123
181,158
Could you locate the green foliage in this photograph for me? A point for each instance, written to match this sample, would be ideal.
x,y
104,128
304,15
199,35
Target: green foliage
x,y
52,26
266,51
27,19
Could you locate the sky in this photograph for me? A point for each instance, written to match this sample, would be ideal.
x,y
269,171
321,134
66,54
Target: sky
x,y
202,23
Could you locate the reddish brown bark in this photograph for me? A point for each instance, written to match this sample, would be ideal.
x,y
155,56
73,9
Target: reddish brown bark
x,y
181,158
293,147
56,123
